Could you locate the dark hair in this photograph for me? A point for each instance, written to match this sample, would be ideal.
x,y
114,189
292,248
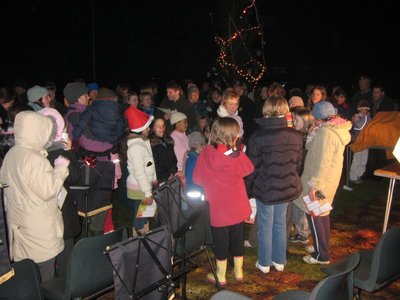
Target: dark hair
x,y
339,92
173,85
379,86
6,94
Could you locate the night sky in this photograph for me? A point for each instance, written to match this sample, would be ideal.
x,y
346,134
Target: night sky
x,y
136,41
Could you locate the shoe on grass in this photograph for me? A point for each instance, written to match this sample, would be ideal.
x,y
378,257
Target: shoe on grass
x,y
309,249
312,261
263,269
278,267
297,238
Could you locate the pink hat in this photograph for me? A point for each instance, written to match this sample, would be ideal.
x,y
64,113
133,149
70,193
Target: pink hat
x,y
51,112
137,120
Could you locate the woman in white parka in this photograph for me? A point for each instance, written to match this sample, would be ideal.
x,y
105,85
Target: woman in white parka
x,y
34,219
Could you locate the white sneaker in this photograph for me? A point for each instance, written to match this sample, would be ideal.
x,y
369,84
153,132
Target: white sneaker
x,y
263,269
309,249
278,267
312,261
247,244
347,188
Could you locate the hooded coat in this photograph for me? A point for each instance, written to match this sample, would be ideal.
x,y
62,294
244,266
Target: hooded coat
x,y
324,160
221,177
34,220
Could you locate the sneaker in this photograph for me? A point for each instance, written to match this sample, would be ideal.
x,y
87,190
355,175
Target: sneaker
x,y
263,269
247,244
357,181
297,238
309,249
347,188
312,261
278,267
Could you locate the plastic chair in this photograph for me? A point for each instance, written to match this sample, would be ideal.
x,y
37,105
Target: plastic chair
x,y
378,267
25,284
89,273
338,286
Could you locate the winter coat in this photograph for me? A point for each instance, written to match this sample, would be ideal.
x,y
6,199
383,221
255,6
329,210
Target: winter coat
x,y
104,119
164,157
221,177
35,223
324,160
276,152
141,168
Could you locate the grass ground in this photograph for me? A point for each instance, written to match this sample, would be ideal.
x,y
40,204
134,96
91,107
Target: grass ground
x,y
356,222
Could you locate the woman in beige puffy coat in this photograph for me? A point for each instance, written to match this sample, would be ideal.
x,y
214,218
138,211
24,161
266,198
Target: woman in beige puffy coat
x,y
34,219
322,171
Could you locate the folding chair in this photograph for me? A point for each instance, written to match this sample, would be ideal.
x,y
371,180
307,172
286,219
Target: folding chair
x,y
338,286
89,273
25,284
378,267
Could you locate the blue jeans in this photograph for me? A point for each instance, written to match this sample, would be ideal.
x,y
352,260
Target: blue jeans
x,y
271,233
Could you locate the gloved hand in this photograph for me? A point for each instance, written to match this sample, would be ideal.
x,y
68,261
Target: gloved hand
x,y
61,161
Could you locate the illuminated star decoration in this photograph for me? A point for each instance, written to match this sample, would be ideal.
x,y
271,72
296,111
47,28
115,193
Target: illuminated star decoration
x,y
252,68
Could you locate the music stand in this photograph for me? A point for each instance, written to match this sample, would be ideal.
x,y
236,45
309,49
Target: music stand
x,y
142,266
92,194
186,221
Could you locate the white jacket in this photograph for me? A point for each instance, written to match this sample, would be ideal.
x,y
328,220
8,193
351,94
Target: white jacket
x,y
142,171
34,220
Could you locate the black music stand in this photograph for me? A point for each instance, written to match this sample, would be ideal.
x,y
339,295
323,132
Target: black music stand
x,y
142,266
93,190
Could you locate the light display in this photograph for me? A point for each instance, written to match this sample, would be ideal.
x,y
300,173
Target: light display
x,y
242,51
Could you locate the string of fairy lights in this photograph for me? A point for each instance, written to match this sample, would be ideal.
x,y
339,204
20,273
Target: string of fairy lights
x,y
253,69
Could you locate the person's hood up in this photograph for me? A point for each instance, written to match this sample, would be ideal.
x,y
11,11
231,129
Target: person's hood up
x,y
33,130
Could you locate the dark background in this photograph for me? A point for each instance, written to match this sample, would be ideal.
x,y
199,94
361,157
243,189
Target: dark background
x,y
137,41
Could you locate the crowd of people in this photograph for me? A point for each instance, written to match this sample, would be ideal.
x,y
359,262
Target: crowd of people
x,y
227,143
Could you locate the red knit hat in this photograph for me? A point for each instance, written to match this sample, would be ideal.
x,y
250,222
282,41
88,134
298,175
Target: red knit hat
x,y
137,120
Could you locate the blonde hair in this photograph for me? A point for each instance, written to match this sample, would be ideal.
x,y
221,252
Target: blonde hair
x,y
224,131
275,106
229,94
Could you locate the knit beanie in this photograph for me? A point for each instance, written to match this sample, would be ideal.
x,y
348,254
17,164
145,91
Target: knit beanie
x,y
74,90
176,117
93,86
295,101
36,92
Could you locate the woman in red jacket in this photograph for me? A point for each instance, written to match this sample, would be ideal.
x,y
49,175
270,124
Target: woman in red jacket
x,y
220,170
